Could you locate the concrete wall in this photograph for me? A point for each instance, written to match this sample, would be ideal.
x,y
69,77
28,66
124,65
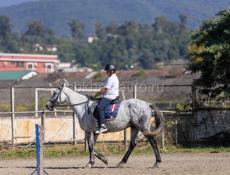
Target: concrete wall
x,y
205,124
56,129
211,122
5,129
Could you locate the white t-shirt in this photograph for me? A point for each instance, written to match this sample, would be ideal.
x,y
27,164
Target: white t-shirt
x,y
112,86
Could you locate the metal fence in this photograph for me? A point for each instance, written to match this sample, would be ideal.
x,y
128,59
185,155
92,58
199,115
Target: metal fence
x,y
20,107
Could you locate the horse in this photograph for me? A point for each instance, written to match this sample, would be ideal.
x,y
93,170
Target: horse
x,y
137,114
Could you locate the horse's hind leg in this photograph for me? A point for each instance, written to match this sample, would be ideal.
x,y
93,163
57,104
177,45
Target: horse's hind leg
x,y
153,142
133,143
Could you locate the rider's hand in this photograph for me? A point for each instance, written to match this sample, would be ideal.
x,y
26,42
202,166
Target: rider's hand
x,y
92,97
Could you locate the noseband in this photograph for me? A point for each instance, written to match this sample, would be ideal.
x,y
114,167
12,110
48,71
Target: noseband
x,y
53,102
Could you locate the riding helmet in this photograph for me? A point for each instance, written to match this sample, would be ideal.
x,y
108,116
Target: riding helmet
x,y
110,67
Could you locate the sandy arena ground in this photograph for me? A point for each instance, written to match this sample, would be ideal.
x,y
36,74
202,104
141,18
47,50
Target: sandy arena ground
x,y
173,164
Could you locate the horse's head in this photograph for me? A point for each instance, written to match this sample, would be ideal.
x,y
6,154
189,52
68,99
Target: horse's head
x,y
57,97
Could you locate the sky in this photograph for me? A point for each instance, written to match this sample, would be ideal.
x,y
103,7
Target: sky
x,y
4,3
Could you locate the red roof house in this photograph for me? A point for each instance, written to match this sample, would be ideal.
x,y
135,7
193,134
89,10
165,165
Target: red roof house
x,y
38,63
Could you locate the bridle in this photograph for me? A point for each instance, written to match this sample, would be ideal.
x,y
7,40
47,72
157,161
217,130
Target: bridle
x,y
54,102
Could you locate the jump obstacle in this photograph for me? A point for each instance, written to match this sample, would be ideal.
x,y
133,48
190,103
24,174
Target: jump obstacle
x,y
39,132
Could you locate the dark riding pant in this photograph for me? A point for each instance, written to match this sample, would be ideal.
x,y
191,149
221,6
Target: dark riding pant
x,y
104,102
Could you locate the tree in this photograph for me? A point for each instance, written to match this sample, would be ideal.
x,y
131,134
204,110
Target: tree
x,y
37,36
99,30
182,39
146,59
8,40
5,27
112,28
35,33
209,51
77,29
183,22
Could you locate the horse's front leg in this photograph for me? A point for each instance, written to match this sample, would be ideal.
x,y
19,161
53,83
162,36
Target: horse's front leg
x,y
99,155
90,141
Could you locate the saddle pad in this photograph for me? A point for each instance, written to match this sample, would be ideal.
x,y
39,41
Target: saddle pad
x,y
111,111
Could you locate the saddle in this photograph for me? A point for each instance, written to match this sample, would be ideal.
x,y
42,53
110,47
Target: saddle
x,y
111,110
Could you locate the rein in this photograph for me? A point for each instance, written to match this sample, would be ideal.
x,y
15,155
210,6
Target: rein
x,y
77,104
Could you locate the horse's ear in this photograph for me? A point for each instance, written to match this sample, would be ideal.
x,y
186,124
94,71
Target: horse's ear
x,y
66,83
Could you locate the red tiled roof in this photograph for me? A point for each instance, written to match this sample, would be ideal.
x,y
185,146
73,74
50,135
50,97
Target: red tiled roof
x,y
122,74
28,57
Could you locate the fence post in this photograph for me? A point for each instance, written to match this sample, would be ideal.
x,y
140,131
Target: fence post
x,y
43,126
41,136
36,102
194,112
176,132
12,114
163,136
135,91
74,123
163,139
125,130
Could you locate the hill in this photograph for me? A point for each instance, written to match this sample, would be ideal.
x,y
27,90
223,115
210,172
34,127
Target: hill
x,y
13,2
56,14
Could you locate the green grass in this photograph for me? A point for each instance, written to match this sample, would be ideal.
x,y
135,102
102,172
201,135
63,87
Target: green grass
x,y
69,150
198,149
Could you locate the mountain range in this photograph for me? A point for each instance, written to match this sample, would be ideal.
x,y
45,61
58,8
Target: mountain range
x,y
56,14
4,3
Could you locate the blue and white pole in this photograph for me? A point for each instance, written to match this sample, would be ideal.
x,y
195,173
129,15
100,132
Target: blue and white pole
x,y
39,137
38,149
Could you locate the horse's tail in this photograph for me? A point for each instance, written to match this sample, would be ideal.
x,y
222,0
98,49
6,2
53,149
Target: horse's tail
x,y
157,120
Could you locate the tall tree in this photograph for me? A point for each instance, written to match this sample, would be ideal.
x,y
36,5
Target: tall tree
x,y
77,29
5,27
35,33
35,28
99,30
37,37
209,51
112,28
8,40
182,38
183,22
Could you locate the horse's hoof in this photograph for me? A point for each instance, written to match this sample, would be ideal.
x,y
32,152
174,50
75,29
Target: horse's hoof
x,y
106,162
88,165
156,165
120,165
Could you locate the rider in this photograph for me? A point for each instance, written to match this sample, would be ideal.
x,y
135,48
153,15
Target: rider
x,y
110,91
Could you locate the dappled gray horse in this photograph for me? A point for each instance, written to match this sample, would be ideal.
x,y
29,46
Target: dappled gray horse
x,y
134,113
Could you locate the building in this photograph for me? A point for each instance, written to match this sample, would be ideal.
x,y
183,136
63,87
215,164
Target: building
x,y
19,62
17,75
91,39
